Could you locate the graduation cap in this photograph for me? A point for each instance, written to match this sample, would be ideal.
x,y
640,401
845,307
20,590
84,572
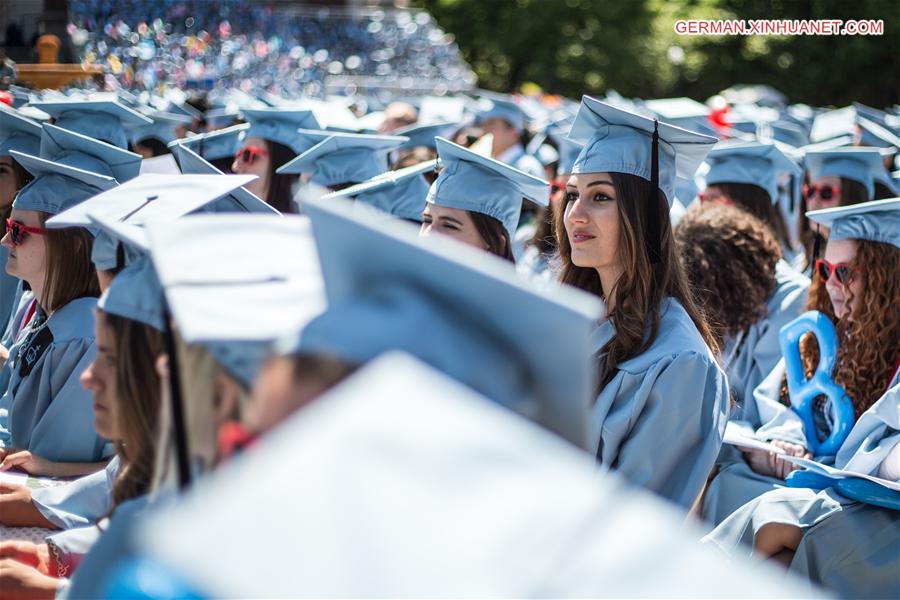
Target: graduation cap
x,y
18,133
116,244
864,165
343,157
100,119
753,163
470,181
75,149
239,200
400,193
78,168
875,221
876,135
387,471
215,145
832,124
220,117
683,112
163,127
619,141
384,282
423,135
568,151
280,125
236,298
135,293
500,106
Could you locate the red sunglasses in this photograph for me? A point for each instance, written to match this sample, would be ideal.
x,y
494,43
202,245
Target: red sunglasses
x,y
249,154
18,230
825,192
843,271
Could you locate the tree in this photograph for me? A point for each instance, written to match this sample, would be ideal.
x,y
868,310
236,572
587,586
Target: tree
x,y
591,46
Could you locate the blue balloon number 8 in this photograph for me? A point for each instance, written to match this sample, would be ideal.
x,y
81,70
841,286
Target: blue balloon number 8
x,y
804,391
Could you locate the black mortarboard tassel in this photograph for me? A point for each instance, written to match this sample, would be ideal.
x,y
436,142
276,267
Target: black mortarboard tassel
x,y
654,242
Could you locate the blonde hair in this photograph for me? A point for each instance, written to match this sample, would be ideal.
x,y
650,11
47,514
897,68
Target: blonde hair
x,y
199,374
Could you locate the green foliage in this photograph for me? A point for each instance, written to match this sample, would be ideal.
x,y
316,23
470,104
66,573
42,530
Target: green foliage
x,y
591,46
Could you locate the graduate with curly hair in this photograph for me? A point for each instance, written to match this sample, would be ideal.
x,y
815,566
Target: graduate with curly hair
x,y
858,289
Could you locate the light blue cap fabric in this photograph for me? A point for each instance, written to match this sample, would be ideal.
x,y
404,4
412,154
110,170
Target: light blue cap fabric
x,y
491,106
100,119
858,164
753,163
789,133
547,154
400,193
163,127
151,197
280,125
876,221
876,135
215,145
619,141
481,184
463,312
683,112
568,152
184,109
72,148
235,283
423,135
18,133
135,293
220,117
344,157
240,200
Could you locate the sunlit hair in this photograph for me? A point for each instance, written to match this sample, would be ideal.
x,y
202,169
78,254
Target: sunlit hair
x,y
867,351
643,286
729,256
69,272
136,347
199,373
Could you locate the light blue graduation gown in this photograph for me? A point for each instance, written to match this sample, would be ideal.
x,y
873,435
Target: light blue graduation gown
x,y
8,290
81,502
764,418
43,408
752,356
875,434
660,420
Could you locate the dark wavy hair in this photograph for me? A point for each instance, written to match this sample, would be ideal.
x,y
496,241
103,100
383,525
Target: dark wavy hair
x,y
729,256
868,351
643,285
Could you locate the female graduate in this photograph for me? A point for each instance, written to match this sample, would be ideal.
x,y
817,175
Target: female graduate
x,y
746,174
477,200
271,142
18,133
840,177
730,259
859,291
660,413
125,387
44,412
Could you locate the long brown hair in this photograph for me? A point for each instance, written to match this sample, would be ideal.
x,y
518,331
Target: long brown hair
x,y
494,235
23,178
643,285
137,346
867,351
69,272
281,185
729,256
